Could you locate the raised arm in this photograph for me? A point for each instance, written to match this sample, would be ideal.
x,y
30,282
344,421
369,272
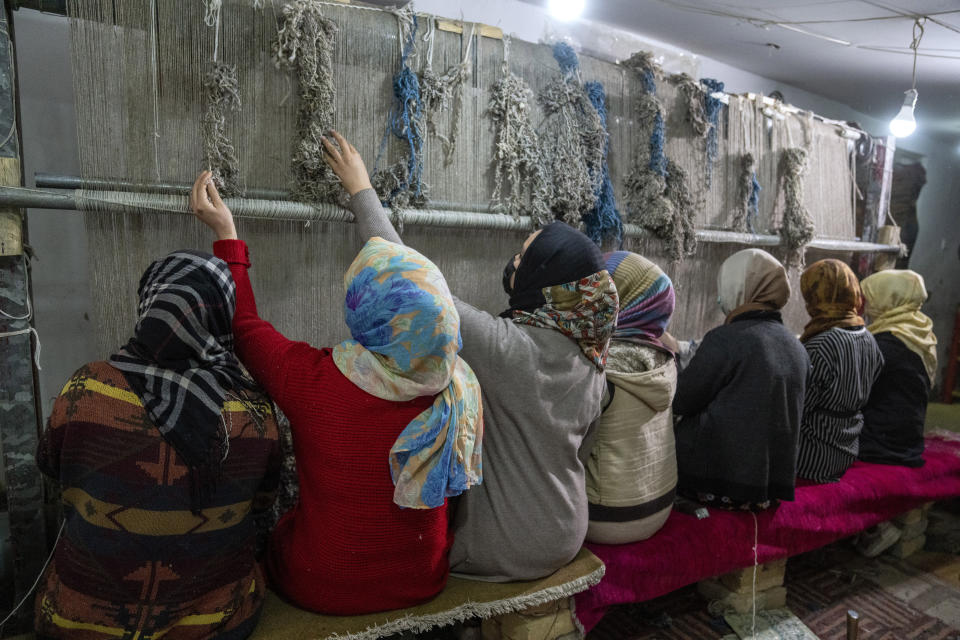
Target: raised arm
x,y
346,163
267,354
482,333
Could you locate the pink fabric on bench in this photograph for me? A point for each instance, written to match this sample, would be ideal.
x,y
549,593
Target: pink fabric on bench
x,y
687,550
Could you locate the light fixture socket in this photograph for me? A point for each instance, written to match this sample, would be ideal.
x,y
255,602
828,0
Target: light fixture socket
x,y
910,98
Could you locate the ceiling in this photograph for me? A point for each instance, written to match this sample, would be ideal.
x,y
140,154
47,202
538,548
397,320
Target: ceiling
x,y
869,70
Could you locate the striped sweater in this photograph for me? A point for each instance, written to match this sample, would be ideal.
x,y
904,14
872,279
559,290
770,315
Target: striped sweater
x,y
844,364
133,561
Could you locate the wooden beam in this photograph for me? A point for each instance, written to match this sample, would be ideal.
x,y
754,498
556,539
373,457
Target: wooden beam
x,y
456,26
19,423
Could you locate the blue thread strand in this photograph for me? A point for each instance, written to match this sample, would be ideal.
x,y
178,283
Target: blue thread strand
x,y
404,120
753,204
566,57
604,218
712,108
658,159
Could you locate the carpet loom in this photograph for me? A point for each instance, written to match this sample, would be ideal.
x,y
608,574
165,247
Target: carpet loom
x,y
139,68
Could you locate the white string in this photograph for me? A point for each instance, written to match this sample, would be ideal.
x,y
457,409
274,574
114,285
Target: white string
x,y
156,89
37,581
36,355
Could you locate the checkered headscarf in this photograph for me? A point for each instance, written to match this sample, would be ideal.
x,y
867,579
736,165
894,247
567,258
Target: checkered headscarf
x,y
180,360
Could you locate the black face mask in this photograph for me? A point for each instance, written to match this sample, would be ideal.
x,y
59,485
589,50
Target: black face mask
x,y
508,271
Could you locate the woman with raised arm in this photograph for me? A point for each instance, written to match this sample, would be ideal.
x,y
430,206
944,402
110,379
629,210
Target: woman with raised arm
x,y
163,454
385,426
540,363
741,396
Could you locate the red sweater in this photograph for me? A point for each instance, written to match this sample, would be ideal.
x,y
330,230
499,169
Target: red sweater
x,y
346,548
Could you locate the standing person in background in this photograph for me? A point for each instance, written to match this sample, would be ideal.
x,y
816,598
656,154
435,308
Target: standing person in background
x,y
845,362
893,420
162,454
741,396
541,367
632,470
385,426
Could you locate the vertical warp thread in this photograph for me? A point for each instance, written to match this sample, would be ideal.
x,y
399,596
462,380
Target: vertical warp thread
x,y
604,219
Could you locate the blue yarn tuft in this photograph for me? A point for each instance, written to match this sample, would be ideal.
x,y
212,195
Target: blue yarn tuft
x,y
404,121
753,203
566,57
649,82
658,159
712,108
604,219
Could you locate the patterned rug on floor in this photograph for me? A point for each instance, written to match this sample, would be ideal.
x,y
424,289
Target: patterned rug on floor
x,y
820,590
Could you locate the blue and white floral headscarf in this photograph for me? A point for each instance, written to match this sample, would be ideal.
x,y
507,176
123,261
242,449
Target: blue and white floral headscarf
x,y
406,337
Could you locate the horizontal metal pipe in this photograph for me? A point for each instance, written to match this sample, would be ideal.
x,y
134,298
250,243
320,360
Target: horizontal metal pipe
x,y
57,181
120,202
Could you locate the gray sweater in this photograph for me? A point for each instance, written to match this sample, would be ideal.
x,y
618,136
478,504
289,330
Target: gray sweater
x,y
540,397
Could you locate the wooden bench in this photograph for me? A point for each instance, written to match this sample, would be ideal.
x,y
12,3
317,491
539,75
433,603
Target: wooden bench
x,y
688,550
459,601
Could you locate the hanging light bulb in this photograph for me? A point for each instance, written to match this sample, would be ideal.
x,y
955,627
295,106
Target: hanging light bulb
x,y
566,10
904,123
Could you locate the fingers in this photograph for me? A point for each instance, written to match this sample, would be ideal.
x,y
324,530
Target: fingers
x,y
341,140
332,152
214,194
196,191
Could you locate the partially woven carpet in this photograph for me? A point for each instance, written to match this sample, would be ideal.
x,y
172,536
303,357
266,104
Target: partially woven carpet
x,y
687,550
459,601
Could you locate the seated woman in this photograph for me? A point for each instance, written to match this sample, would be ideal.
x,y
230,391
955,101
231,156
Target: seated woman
x,y
365,535
163,454
632,470
541,367
844,363
894,417
741,396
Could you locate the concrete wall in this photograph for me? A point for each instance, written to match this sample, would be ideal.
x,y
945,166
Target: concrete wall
x,y
62,297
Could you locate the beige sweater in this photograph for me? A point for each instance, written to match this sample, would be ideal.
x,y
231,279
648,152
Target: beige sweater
x,y
632,470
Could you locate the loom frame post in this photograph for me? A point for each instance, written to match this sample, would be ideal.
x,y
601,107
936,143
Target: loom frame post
x,y
19,409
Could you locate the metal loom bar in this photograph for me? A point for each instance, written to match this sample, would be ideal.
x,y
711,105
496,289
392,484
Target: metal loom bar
x,y
119,201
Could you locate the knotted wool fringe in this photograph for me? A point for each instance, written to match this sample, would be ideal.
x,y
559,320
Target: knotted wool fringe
x,y
603,220
304,46
572,141
748,196
519,184
656,197
438,92
796,229
401,185
221,91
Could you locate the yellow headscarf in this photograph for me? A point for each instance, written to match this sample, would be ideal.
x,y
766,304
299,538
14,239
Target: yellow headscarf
x,y
833,297
893,300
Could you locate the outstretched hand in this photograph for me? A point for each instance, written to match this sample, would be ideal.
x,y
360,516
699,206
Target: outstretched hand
x,y
206,204
346,163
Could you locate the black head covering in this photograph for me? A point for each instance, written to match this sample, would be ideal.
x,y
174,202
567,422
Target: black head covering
x,y
560,254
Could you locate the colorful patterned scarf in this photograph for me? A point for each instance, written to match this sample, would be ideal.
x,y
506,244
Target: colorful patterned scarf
x,y
832,293
562,284
647,298
406,336
894,298
180,360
